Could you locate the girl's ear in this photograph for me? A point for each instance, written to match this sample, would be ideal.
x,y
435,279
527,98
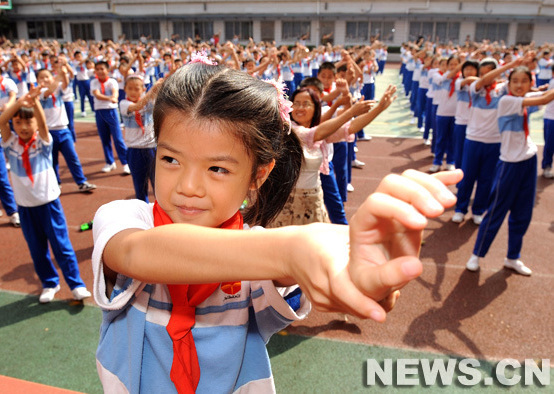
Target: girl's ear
x,y
262,174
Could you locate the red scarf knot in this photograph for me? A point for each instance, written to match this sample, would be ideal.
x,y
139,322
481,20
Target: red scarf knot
x,y
102,82
488,90
185,370
453,83
2,84
25,156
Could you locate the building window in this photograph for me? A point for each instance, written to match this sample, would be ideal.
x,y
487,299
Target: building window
x,y
185,30
138,30
524,33
443,31
241,29
357,31
82,31
382,31
106,29
327,32
296,30
491,31
45,29
268,30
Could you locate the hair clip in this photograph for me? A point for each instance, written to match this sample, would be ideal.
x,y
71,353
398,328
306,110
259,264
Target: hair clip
x,y
136,75
285,106
201,57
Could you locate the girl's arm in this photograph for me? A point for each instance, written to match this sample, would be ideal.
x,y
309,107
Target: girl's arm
x,y
150,95
10,102
41,120
359,122
28,100
538,100
489,77
468,81
339,268
342,100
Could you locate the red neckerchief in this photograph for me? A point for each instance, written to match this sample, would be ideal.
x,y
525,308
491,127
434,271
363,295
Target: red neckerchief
x,y
441,72
488,89
453,83
19,76
278,71
185,370
25,156
525,119
138,118
102,82
2,84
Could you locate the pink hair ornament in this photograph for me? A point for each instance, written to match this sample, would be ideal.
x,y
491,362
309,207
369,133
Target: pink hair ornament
x,y
285,106
201,57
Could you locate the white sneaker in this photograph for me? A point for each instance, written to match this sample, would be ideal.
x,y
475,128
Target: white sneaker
x,y
517,266
355,149
450,167
473,263
365,138
109,167
458,217
548,173
349,188
357,163
422,129
434,168
427,142
8,167
14,220
48,294
80,293
413,120
83,114
126,169
478,219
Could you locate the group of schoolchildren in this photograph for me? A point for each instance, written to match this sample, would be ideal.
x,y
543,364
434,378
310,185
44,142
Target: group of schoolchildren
x,y
477,101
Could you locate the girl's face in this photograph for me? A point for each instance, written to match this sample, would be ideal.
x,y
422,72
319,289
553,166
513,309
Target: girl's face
x,y
520,84
453,64
134,88
442,66
470,72
45,79
303,109
203,172
25,128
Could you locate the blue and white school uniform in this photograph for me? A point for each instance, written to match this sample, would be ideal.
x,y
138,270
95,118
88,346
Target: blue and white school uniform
x,y
83,84
368,80
285,72
548,132
515,181
434,106
7,86
20,81
463,110
141,147
415,86
545,71
429,110
62,139
382,55
41,213
408,73
135,352
297,70
421,99
107,122
446,112
68,97
481,149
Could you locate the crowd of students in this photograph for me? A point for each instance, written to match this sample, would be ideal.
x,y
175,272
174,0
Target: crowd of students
x,y
475,100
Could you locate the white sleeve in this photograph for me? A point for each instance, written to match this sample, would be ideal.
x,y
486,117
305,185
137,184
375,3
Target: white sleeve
x,y
109,220
509,105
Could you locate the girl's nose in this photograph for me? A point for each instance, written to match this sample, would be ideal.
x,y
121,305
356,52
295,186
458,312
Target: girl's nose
x,y
191,184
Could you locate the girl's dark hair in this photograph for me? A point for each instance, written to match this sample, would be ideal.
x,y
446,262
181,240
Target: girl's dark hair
x,y
470,63
25,113
42,70
522,69
102,63
249,108
312,81
315,99
489,61
452,57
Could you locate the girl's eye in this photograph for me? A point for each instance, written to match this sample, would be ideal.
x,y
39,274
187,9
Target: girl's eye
x,y
219,170
170,160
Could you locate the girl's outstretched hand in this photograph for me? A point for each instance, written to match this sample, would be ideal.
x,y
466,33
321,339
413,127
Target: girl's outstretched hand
x,y
386,234
358,269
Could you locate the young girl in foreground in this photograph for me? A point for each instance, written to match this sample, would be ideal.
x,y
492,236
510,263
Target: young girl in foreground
x,y
189,305
515,180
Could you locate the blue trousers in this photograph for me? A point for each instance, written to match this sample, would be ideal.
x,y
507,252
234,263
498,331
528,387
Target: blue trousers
x,y
298,77
459,140
63,142
381,64
548,143
70,110
6,191
413,96
351,158
46,224
368,91
141,164
541,82
84,91
421,106
107,122
402,68
408,81
513,191
340,163
478,164
444,140
434,126
428,117
332,198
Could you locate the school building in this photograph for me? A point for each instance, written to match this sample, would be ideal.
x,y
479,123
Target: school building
x,y
340,22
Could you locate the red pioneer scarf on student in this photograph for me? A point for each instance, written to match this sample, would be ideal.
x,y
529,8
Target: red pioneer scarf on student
x,y
488,90
2,84
453,83
102,82
525,119
138,118
25,156
185,371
